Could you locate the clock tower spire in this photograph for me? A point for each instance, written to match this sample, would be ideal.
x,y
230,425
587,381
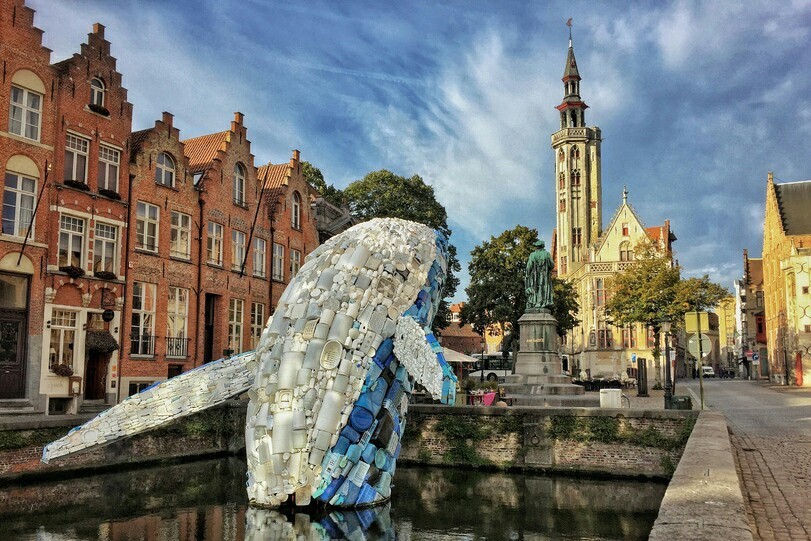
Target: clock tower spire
x,y
577,174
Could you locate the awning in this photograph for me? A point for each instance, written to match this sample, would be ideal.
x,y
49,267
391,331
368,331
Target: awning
x,y
455,357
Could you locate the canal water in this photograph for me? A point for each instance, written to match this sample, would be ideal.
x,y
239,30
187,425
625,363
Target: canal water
x,y
205,501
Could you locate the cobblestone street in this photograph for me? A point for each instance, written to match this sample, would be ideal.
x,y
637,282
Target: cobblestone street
x,y
771,435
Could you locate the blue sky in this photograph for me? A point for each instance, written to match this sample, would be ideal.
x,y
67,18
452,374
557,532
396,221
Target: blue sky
x,y
697,101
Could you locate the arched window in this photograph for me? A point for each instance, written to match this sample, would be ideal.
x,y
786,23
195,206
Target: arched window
x,y
165,170
97,92
239,184
626,254
19,193
25,107
296,214
575,178
562,180
561,155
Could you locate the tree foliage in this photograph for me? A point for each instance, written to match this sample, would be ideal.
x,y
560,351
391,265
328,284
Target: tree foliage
x,y
496,294
383,194
315,179
652,289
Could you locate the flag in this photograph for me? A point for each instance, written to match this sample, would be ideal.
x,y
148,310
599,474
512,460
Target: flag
x,y
569,22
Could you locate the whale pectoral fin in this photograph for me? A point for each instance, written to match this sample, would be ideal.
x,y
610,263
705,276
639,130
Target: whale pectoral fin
x,y
422,356
188,393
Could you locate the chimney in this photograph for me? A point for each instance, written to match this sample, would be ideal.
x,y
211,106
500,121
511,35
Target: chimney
x,y
295,161
98,28
238,118
167,119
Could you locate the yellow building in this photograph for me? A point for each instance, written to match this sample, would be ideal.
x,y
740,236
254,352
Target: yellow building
x,y
786,280
587,255
727,356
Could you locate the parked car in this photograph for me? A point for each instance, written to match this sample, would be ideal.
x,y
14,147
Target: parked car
x,y
708,371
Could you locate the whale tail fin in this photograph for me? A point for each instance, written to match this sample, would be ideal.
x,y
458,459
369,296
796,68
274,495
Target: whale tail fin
x,y
206,386
421,354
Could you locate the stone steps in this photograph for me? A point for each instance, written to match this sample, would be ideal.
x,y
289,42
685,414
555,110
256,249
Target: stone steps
x,y
16,406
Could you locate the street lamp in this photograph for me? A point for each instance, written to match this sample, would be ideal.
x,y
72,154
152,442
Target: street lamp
x,y
668,382
482,363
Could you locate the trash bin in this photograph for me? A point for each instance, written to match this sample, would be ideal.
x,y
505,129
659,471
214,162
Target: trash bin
x,y
681,403
610,398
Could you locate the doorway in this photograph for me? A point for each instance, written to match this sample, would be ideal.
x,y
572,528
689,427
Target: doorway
x,y
13,334
208,334
95,384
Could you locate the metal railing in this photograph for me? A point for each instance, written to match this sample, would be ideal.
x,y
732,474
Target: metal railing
x,y
142,344
177,347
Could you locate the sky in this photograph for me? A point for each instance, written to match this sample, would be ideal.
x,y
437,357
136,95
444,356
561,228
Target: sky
x,y
697,101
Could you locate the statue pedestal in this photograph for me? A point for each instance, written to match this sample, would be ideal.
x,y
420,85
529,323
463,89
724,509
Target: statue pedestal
x,y
538,379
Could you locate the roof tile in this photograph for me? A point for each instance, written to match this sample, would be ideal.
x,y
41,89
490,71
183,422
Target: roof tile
x,y
202,150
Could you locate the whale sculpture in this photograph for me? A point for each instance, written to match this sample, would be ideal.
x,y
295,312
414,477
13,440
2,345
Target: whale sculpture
x,y
331,378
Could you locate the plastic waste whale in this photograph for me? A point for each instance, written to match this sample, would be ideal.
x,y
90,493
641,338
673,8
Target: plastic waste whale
x,y
330,382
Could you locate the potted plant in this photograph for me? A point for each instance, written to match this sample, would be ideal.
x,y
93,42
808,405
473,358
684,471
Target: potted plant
x,y
78,184
100,109
62,370
110,193
105,275
72,271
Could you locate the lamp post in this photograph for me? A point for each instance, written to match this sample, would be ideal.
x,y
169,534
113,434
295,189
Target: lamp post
x,y
481,368
668,382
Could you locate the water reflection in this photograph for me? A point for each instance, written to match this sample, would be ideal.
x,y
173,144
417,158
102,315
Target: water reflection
x,y
205,501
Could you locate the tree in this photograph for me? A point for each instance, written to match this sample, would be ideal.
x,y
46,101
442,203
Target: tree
x,y
315,179
652,289
383,194
496,295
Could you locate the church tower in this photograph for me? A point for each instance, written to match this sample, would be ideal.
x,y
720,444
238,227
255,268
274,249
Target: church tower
x,y
577,176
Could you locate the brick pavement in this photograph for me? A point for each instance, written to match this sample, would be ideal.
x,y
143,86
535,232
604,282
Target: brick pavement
x,y
770,430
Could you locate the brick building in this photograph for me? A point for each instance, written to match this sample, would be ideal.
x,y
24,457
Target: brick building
x,y
126,258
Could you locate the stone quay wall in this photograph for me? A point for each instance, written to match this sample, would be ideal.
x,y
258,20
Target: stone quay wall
x,y
598,442
217,431
608,442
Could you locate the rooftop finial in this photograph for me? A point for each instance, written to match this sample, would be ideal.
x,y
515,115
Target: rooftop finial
x,y
569,24
624,194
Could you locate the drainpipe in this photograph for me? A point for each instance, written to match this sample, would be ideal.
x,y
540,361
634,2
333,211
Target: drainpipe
x,y
199,282
126,283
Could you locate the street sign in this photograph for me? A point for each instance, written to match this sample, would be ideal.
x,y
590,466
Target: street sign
x,y
633,358
706,345
695,321
755,357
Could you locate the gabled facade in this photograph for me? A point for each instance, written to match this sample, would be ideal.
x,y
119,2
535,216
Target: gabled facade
x,y
588,256
750,319
787,280
27,138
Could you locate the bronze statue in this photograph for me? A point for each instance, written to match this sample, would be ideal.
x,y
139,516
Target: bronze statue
x,y
538,281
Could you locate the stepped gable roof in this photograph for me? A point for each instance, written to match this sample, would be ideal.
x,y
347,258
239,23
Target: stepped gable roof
x,y
202,150
794,200
274,178
137,138
754,272
657,232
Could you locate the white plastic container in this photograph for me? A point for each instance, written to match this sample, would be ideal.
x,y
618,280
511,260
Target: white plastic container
x,y
611,398
330,412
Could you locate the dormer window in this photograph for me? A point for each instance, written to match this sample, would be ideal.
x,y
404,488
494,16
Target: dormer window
x,y
165,170
97,93
296,211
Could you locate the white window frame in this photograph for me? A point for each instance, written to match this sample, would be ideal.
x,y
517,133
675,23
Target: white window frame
x,y
277,269
236,314
177,321
105,246
77,149
295,214
72,231
63,323
147,226
239,185
257,323
295,261
214,244
260,247
165,169
29,117
97,92
238,239
181,227
109,163
144,311
22,206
